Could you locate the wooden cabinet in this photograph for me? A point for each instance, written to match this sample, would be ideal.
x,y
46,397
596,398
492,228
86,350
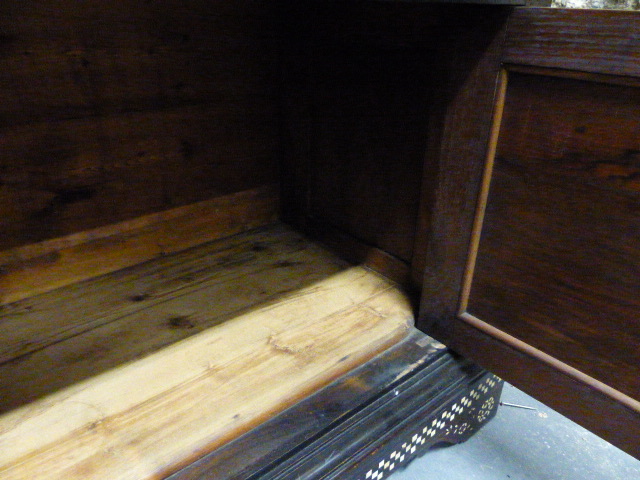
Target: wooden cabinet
x,y
255,198
539,281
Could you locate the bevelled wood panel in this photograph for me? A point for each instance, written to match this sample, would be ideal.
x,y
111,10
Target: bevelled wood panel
x,y
558,264
112,112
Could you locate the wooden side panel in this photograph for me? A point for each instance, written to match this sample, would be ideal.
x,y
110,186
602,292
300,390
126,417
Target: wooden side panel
x,y
559,259
356,120
469,66
107,114
548,297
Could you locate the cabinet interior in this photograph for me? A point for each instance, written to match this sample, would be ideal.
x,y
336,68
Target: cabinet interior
x,y
210,184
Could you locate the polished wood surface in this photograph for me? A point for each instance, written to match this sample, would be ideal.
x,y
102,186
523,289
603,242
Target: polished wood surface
x,y
109,113
278,318
552,301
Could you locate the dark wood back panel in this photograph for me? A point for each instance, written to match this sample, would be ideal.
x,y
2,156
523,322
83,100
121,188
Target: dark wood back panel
x,y
108,112
357,105
371,109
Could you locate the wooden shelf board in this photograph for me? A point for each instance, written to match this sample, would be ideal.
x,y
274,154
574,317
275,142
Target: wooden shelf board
x,y
270,317
41,267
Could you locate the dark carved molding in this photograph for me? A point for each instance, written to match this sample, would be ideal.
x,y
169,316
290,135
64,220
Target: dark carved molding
x,y
390,410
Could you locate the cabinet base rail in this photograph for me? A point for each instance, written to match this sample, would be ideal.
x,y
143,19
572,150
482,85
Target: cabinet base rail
x,y
368,423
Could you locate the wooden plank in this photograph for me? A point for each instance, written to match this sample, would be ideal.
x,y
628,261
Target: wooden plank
x,y
559,250
598,41
107,114
453,169
199,393
68,335
33,269
78,83
362,85
64,177
36,322
64,61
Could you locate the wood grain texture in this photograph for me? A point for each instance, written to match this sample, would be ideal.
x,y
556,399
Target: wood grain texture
x,y
64,60
60,178
295,433
63,337
559,250
235,375
598,41
470,62
570,47
40,267
107,114
585,405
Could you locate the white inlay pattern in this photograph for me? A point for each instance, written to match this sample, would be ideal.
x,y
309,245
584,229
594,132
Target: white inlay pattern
x,y
486,409
445,423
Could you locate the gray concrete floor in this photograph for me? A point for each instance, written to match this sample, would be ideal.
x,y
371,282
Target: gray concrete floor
x,y
525,445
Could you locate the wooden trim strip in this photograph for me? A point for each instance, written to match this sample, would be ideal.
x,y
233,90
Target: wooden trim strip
x,y
597,41
484,190
359,252
573,75
539,355
44,266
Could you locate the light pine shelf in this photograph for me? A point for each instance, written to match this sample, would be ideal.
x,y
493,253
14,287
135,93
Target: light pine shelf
x,y
138,372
